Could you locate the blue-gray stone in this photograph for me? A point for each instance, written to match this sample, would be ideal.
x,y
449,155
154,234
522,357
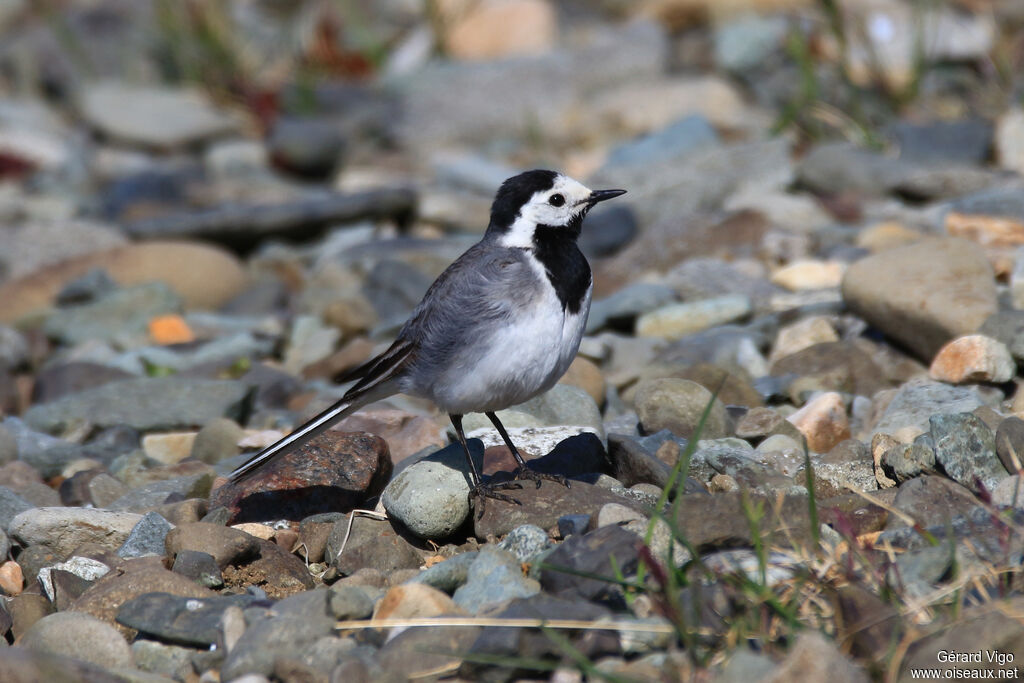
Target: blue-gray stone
x,y
744,44
494,576
448,575
146,537
270,638
147,404
179,620
966,449
608,230
676,140
967,142
526,542
622,307
11,505
119,314
569,525
349,602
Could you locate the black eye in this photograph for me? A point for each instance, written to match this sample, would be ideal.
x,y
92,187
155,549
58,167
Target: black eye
x,y
556,200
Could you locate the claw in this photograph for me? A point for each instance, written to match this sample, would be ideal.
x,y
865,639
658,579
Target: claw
x,y
523,472
483,491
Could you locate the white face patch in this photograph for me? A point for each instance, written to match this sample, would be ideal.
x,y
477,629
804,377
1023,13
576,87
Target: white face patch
x,y
555,207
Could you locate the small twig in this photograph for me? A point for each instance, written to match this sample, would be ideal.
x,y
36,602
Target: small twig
x,y
351,519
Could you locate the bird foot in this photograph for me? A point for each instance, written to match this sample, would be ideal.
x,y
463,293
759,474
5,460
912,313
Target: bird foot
x,y
524,472
483,491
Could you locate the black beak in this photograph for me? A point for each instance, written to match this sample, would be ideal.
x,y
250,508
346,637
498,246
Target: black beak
x,y
602,195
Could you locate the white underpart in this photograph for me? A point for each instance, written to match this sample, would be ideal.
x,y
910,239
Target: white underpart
x,y
541,342
539,211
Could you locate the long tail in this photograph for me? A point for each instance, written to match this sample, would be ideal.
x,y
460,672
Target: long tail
x,y
380,379
297,438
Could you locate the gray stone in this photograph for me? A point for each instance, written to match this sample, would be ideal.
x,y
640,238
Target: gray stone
x,y
181,620
676,321
121,315
562,405
73,634
309,147
146,537
622,307
968,141
924,294
743,44
13,347
270,638
678,405
1007,327
44,452
198,566
448,575
608,230
371,543
148,404
573,524
602,552
470,103
64,529
711,175
843,167
1010,443
8,447
217,440
5,543
526,542
159,117
906,461
11,504
965,448
314,603
431,497
675,140
917,400
350,602
171,661
494,576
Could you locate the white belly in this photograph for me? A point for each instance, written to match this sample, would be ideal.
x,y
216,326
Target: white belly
x,y
525,358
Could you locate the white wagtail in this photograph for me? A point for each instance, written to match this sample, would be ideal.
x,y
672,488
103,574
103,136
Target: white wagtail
x,y
499,326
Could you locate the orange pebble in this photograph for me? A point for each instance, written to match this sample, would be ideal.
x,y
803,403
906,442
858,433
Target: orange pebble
x,y
11,578
170,329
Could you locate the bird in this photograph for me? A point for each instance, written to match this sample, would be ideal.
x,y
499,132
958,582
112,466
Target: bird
x,y
499,326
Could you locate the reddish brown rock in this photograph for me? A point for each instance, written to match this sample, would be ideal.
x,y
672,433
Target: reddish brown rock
x,y
973,358
543,506
335,472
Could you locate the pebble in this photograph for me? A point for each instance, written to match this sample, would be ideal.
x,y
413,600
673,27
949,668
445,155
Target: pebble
x,y
162,118
12,580
494,576
971,359
965,448
81,636
147,537
923,294
64,529
807,274
502,29
415,601
227,546
526,542
679,405
678,320
431,497
147,404
823,421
